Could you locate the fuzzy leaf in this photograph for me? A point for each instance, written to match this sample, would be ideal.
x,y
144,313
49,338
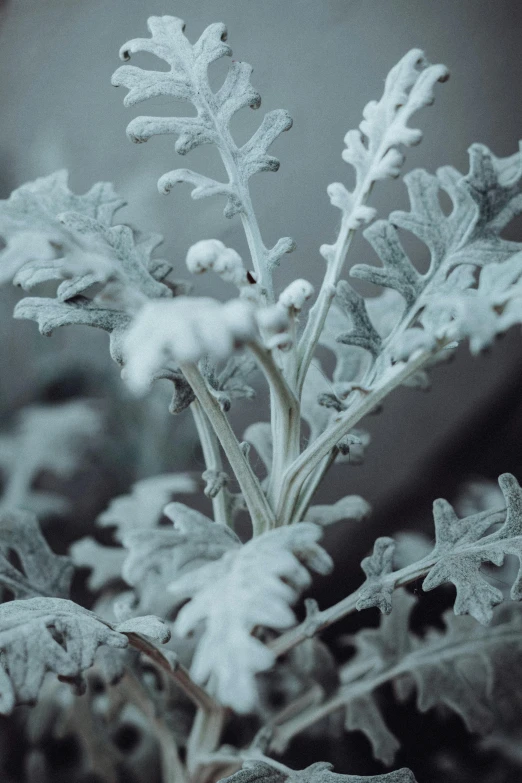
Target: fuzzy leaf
x,y
187,80
462,545
31,228
373,149
232,604
460,667
51,438
352,507
42,572
52,234
376,590
184,330
157,556
320,772
369,322
143,507
466,241
105,562
41,635
363,334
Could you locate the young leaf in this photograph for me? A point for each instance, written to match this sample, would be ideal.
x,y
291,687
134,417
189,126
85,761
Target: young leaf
x,y
187,80
232,604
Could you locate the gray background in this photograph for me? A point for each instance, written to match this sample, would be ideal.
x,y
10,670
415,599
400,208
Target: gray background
x,y
322,61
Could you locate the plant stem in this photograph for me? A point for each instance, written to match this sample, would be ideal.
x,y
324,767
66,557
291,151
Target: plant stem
x,y
322,619
213,461
362,682
177,672
230,155
260,512
204,740
302,467
285,420
312,484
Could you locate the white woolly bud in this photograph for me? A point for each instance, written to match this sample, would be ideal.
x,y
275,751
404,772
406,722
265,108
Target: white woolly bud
x,y
272,320
295,295
224,261
274,323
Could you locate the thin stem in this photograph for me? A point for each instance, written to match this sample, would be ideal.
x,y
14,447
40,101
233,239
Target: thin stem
x,y
322,619
312,456
177,672
229,155
213,461
319,311
312,484
203,741
172,769
285,419
260,512
362,683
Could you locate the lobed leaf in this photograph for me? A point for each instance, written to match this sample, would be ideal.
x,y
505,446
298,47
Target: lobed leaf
x,y
461,667
41,635
232,604
155,557
41,572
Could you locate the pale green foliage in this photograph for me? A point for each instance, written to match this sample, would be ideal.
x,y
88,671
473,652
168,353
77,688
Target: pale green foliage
x,y
188,80
231,599
143,506
184,331
461,547
281,561
39,246
372,150
51,438
155,557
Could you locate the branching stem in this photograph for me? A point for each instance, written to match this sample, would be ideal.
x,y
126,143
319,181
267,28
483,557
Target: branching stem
x,y
328,440
322,619
257,504
285,419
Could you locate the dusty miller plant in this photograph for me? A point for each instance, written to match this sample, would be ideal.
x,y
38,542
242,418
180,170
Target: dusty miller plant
x,y
224,607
